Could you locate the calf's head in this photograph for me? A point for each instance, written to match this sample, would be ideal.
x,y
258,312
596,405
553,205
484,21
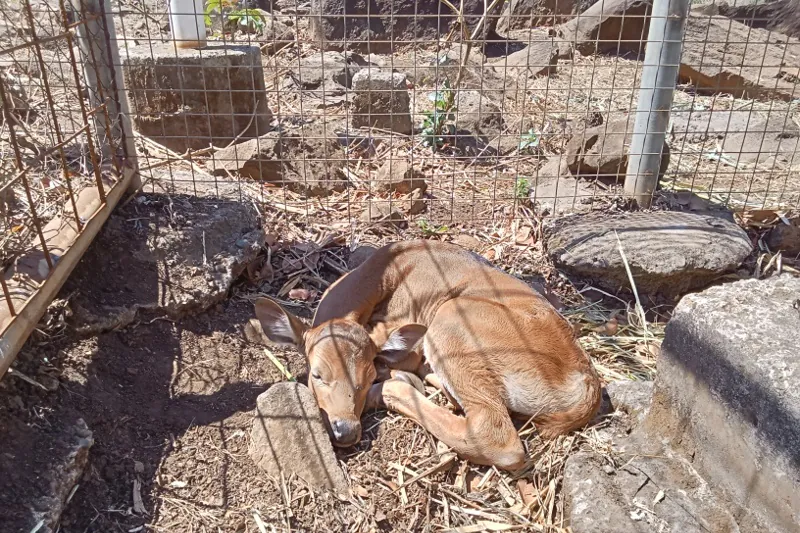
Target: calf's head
x,y
341,358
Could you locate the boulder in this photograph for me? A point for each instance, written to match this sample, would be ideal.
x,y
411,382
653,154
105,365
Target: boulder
x,y
722,55
669,253
399,176
769,15
381,101
478,119
631,397
523,14
380,25
610,26
289,437
275,34
309,161
601,152
539,58
727,393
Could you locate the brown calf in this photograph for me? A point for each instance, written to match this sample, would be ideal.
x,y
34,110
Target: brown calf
x,y
496,347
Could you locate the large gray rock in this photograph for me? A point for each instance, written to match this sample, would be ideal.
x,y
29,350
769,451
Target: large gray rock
x,y
669,253
381,101
380,25
539,58
644,495
728,393
610,26
190,98
601,152
722,55
521,14
288,437
308,161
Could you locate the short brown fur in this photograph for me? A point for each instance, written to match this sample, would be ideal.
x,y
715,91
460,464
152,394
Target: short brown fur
x,y
496,347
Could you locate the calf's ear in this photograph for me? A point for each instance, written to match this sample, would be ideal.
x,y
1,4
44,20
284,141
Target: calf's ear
x,y
279,325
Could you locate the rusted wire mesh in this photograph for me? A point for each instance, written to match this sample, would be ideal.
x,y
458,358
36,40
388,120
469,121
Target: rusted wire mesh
x,y
61,151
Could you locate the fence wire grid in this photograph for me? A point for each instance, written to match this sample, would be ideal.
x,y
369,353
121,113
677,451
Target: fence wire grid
x,y
63,151
420,115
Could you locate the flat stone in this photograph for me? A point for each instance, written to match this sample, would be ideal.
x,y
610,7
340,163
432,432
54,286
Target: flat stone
x,y
381,101
722,55
182,98
727,393
610,26
644,495
631,397
289,437
557,192
601,152
40,465
186,253
669,253
329,71
400,177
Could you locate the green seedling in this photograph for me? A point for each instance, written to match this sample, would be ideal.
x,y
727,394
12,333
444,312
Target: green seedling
x,y
233,17
530,141
440,122
429,230
522,188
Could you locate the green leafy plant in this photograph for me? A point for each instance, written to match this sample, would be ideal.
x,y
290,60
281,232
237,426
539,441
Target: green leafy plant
x,y
429,230
530,141
440,122
522,188
233,17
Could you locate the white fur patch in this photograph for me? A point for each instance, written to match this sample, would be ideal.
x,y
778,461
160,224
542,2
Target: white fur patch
x,y
531,396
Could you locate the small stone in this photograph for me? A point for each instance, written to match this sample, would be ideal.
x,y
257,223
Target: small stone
x,y
785,238
289,437
359,255
132,371
381,101
383,212
608,469
138,467
398,176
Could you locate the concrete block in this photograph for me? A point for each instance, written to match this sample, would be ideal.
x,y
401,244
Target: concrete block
x,y
727,393
190,98
381,101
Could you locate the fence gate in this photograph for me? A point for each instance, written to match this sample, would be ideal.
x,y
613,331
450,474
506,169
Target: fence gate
x,y
66,150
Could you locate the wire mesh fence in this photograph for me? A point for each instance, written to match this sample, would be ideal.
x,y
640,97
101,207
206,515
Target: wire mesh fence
x,y
529,103
64,152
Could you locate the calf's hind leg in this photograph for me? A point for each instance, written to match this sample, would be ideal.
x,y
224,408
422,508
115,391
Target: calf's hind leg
x,y
485,436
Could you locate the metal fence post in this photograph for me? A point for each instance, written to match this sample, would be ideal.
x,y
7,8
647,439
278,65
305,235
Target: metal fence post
x,y
102,67
659,75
